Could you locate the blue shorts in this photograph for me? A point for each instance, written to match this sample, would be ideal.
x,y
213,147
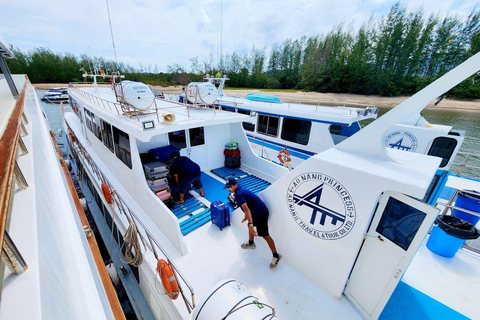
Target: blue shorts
x,y
185,185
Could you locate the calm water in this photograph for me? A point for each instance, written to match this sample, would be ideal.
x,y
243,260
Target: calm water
x,y
466,121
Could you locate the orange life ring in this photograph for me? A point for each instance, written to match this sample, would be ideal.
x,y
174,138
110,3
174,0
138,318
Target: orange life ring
x,y
72,135
284,156
106,193
75,109
168,279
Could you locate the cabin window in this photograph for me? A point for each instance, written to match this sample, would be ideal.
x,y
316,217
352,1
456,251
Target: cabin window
x,y
247,112
268,125
122,147
178,139
197,136
443,147
295,130
107,135
400,223
248,126
88,119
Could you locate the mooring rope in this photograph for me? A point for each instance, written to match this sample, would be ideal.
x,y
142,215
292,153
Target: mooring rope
x,y
131,241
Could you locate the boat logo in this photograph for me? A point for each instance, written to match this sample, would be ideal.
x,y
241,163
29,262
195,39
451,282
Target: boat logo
x,y
321,206
401,140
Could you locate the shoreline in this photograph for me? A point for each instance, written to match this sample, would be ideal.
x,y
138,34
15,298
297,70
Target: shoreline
x,y
326,98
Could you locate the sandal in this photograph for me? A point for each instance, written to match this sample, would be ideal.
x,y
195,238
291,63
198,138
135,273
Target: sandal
x,y
202,194
179,202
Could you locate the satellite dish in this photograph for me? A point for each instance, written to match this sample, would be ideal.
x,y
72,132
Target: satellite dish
x,y
201,92
136,94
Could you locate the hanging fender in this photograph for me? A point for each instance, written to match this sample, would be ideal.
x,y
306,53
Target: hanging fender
x,y
169,280
106,193
284,156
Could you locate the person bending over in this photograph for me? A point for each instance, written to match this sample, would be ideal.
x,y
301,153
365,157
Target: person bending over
x,y
186,173
256,213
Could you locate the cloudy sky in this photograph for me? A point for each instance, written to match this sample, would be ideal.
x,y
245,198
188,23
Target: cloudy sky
x,y
164,32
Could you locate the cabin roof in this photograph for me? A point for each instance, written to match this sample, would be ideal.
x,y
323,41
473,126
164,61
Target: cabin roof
x,y
102,102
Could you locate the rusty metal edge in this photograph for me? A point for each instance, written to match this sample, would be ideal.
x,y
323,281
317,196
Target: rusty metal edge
x,y
107,283
8,151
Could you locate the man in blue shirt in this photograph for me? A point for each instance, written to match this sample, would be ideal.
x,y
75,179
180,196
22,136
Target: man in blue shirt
x,y
186,173
256,213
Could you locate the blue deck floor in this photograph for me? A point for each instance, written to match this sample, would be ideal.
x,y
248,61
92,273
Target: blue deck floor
x,y
408,303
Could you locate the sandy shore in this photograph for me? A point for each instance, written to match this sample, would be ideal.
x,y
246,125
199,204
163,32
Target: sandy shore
x,y
326,98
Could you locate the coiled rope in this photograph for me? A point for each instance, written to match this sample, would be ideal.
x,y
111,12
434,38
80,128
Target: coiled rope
x,y
131,242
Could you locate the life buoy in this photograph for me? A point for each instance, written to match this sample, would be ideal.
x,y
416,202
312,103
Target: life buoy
x,y
106,193
72,135
168,279
75,109
284,156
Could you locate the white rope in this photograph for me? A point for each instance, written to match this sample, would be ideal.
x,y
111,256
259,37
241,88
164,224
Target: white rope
x,y
130,241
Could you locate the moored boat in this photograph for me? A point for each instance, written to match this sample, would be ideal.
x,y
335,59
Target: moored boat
x,y
337,217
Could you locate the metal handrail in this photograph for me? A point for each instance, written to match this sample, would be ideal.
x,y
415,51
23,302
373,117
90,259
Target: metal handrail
x,y
151,239
464,164
99,101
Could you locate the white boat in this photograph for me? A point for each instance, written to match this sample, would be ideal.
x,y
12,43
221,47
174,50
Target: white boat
x,y
289,133
55,94
328,215
49,268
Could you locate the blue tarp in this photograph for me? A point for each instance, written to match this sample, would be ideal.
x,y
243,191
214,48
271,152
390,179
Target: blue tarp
x,y
263,97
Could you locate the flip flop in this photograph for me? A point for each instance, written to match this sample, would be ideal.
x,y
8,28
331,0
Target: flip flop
x,y
179,202
202,194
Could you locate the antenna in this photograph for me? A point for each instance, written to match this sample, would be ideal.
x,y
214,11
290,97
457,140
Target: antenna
x,y
221,38
111,32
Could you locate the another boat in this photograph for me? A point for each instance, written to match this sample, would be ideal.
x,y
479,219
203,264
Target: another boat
x,y
56,94
346,220
51,266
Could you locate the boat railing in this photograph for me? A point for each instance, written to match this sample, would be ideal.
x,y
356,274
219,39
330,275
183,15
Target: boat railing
x,y
105,104
317,103
11,147
146,236
466,164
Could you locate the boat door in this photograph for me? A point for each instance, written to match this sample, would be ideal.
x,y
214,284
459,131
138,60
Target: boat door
x,y
196,146
399,226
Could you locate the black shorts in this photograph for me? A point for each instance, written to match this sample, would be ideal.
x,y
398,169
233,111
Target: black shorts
x,y
261,223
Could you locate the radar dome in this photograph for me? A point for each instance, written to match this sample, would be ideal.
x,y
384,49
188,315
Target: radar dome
x,y
136,94
201,92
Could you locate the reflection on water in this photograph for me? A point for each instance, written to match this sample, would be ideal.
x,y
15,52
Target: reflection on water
x,y
464,121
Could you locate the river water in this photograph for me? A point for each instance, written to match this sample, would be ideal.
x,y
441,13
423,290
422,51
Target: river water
x,y
460,120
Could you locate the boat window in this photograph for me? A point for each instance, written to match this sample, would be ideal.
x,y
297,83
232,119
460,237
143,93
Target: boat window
x,y
268,125
122,146
178,139
443,147
107,135
295,130
247,112
197,136
335,129
248,126
400,223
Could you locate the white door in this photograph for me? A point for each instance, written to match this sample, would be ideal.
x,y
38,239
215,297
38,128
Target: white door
x,y
399,226
196,146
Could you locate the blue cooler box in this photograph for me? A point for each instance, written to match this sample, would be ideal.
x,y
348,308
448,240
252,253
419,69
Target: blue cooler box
x,y
469,201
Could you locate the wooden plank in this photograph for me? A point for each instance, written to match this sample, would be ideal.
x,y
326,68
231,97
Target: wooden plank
x,y
8,151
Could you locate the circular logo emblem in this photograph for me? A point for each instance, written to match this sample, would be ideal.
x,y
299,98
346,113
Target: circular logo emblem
x,y
401,140
321,206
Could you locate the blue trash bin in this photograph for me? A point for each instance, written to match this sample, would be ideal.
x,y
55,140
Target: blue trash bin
x,y
470,200
449,234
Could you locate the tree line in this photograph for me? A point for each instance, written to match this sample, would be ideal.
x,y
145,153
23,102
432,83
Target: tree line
x,y
395,55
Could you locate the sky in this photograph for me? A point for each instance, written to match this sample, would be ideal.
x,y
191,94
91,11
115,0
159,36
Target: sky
x,y
164,32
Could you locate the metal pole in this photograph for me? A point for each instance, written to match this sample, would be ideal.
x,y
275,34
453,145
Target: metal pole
x,y
8,76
